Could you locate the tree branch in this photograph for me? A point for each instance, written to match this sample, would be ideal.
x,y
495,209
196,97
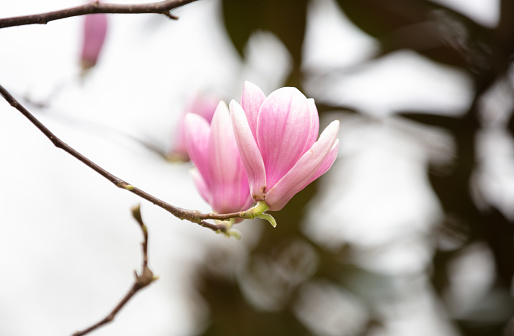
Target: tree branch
x,y
141,280
190,215
161,7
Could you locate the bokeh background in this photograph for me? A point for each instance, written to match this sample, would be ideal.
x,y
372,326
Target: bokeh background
x,y
409,233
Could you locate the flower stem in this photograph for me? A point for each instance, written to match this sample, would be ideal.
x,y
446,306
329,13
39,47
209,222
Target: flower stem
x,y
259,211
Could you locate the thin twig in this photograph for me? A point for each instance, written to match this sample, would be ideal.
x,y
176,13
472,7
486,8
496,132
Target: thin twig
x,y
160,7
141,280
190,215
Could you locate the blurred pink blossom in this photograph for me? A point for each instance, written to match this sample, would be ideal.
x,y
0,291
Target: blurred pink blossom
x,y
95,30
201,105
220,175
276,137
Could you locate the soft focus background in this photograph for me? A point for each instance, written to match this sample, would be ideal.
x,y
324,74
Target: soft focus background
x,y
409,233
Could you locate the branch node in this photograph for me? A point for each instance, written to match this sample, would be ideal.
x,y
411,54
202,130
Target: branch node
x,y
145,278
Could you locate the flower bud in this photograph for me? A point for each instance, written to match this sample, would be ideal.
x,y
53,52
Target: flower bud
x,y
95,30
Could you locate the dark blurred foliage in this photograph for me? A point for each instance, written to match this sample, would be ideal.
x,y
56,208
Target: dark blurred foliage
x,y
284,259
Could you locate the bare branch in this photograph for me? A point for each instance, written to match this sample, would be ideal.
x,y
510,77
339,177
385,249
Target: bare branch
x,y
190,215
141,280
161,7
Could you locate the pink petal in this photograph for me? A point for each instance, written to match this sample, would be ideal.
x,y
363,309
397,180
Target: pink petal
x,y
201,185
251,101
242,198
312,163
234,195
314,129
223,151
286,128
326,164
249,152
202,105
229,184
197,143
95,30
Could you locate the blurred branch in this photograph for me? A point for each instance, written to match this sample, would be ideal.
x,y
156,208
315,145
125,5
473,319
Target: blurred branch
x,y
96,7
141,280
190,215
431,118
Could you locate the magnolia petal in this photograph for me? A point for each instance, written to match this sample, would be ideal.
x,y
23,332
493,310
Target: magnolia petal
x,y
284,131
249,152
241,180
310,164
229,184
251,101
231,199
223,154
201,185
95,30
197,143
202,105
314,125
326,164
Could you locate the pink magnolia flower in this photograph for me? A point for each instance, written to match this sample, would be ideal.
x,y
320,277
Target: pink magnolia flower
x,y
220,176
202,105
95,30
276,137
